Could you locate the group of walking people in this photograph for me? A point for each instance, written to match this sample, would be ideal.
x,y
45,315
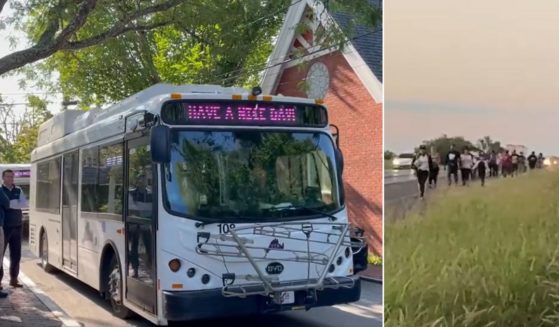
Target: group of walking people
x,y
470,166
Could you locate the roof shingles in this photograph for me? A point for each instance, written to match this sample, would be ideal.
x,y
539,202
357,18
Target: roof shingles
x,y
365,39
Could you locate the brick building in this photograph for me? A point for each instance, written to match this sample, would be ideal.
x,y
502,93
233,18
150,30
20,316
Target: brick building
x,y
350,82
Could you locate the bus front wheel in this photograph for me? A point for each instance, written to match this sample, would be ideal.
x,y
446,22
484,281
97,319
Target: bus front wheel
x,y
115,290
45,254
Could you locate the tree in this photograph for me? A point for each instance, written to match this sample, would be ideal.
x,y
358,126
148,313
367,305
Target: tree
x,y
442,144
389,155
111,55
73,25
19,132
487,145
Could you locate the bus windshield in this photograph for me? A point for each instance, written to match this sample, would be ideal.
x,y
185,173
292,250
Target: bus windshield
x,y
248,175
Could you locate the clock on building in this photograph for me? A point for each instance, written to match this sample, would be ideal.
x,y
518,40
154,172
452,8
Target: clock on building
x,y
318,81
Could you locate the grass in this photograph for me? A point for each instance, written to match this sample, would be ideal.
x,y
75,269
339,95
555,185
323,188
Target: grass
x,y
477,257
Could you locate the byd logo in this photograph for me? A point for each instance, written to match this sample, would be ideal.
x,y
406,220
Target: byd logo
x,y
274,268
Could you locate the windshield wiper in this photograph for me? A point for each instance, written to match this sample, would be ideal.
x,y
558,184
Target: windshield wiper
x,y
310,209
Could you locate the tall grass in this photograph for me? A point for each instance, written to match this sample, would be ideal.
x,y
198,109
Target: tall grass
x,y
477,257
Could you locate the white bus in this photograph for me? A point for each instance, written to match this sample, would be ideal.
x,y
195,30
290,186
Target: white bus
x,y
190,202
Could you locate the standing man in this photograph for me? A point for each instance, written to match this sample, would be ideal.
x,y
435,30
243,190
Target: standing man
x,y
4,204
13,221
451,163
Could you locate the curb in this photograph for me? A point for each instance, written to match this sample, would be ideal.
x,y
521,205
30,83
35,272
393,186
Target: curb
x,y
371,279
57,311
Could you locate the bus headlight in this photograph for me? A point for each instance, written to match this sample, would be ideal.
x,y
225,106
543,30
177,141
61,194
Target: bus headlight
x,y
174,265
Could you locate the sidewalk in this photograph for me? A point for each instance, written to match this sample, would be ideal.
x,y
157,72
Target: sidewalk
x,y
23,309
372,273
29,306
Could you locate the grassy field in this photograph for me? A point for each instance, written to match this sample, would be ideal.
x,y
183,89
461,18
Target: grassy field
x,y
477,257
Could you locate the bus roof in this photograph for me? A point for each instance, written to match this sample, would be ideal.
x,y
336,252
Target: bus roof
x,y
74,128
20,166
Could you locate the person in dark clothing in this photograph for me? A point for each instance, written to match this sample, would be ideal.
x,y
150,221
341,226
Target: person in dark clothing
x,y
422,164
481,166
532,160
514,159
13,222
493,165
506,164
434,172
4,204
452,164
140,200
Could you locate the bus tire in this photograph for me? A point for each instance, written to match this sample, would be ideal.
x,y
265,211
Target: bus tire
x,y
114,290
44,251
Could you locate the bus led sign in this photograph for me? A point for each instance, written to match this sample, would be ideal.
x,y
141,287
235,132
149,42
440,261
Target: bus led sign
x,y
190,112
22,173
243,113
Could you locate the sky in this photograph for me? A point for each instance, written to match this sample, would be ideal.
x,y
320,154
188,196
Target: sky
x,y
9,85
472,68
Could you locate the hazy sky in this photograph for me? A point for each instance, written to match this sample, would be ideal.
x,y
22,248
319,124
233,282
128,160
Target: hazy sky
x,y
472,68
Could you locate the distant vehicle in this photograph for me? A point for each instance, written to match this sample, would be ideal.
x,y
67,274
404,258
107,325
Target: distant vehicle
x,y
22,174
551,161
403,161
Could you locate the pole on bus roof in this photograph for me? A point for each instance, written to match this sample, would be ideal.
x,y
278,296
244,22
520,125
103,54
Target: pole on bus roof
x,y
67,103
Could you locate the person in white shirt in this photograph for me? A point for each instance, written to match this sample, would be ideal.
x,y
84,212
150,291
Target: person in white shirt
x,y
422,164
466,165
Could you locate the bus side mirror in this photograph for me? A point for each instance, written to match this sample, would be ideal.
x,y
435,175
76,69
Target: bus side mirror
x,y
335,134
160,144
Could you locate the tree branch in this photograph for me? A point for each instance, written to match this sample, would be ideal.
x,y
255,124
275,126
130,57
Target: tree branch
x,y
79,20
49,42
111,33
155,8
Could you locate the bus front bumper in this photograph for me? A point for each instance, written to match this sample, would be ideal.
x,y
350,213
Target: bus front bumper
x,y
192,305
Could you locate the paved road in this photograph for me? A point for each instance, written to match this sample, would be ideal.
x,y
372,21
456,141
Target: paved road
x,y
83,304
398,175
402,184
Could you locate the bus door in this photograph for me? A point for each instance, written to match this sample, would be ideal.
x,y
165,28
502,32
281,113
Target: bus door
x,y
70,211
140,218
